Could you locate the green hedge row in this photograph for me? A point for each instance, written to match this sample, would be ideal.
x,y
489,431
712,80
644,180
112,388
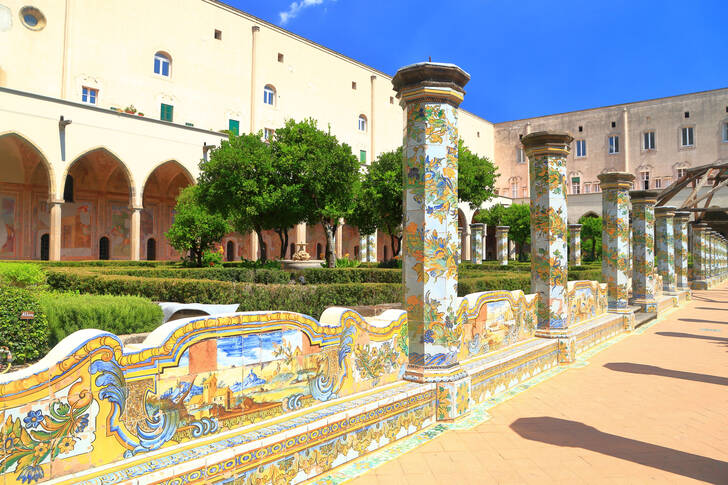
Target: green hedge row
x,y
350,275
246,275
68,312
26,339
307,299
510,282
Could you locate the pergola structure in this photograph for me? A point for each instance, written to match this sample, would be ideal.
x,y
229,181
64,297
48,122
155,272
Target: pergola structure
x,y
717,173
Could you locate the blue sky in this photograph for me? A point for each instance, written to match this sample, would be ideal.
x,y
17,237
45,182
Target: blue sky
x,y
527,58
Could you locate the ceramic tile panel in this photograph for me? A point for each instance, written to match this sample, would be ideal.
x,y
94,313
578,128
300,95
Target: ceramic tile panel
x,y
665,246
643,254
501,241
574,244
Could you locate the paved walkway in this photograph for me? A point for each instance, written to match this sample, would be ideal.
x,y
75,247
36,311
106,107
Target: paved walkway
x,y
652,408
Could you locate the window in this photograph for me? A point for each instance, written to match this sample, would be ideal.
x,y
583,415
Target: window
x,y
218,34
362,123
525,192
280,57
580,148
687,114
645,176
89,95
234,127
614,124
32,18
587,187
581,128
353,85
597,188
267,133
687,136
520,155
614,144
269,95
725,131
666,181
681,172
167,112
658,183
575,185
391,100
514,190
648,140
162,63
363,156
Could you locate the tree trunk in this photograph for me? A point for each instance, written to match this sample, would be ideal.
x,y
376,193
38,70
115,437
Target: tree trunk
x,y
594,248
261,245
283,236
396,242
330,230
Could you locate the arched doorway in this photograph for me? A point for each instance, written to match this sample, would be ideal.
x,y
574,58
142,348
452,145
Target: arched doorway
x,y
161,189
97,203
151,249
104,250
25,181
45,247
230,251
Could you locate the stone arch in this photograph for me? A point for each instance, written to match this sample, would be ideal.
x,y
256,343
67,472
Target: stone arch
x,y
101,207
26,187
161,187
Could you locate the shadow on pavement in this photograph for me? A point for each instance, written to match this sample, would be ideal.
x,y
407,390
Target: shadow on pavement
x,y
696,320
659,371
562,432
724,340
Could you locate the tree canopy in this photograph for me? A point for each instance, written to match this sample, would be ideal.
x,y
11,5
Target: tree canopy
x,y
195,229
476,177
327,172
516,216
591,235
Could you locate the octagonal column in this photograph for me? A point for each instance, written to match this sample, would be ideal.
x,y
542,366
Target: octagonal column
x,y
699,256
630,257
501,241
665,247
575,244
547,152
643,249
477,242
460,245
431,94
680,237
372,247
363,248
615,238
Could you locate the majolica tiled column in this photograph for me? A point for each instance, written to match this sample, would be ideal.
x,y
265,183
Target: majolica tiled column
x,y
680,237
501,244
476,243
547,152
372,247
431,93
665,247
460,245
575,244
615,238
643,249
699,256
630,258
363,248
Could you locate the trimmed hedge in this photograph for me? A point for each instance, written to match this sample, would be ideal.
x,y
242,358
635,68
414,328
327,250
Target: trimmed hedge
x,y
264,276
508,282
68,312
588,274
350,275
26,339
309,299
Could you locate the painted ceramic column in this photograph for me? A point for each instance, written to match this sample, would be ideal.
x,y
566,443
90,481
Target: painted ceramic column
x,y
575,244
643,252
615,238
711,245
547,152
501,241
699,256
476,243
460,245
54,251
431,94
372,247
631,247
363,248
665,247
680,237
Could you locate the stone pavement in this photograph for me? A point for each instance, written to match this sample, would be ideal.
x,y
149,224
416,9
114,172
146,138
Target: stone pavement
x,y
652,408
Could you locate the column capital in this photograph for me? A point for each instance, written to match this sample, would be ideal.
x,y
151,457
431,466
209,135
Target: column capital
x,y
575,227
682,216
56,202
699,226
643,196
547,143
615,180
665,211
476,225
431,81
502,228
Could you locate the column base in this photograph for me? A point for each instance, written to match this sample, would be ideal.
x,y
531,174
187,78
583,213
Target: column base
x,y
647,305
453,399
418,373
566,341
699,284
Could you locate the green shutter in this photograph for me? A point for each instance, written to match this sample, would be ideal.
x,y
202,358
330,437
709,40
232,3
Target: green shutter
x,y
234,126
167,111
362,156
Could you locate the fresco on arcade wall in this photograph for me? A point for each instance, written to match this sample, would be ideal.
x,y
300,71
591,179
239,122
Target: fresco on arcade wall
x,y
7,225
76,223
120,231
147,221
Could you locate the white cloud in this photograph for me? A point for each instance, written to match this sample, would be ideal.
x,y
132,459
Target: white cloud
x,y
295,8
